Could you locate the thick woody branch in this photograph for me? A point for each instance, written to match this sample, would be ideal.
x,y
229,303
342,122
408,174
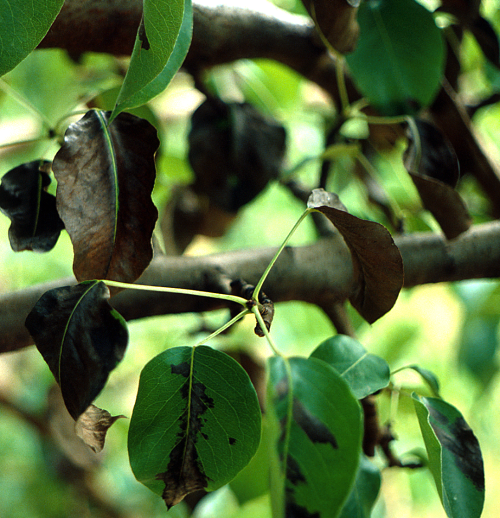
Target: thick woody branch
x,y
427,258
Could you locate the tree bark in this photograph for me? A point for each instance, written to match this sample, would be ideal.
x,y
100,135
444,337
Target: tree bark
x,y
427,258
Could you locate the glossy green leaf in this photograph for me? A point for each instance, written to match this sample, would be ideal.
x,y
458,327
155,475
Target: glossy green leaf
x,y
455,458
105,177
23,24
196,422
364,492
377,263
317,440
399,59
36,225
161,45
364,372
82,339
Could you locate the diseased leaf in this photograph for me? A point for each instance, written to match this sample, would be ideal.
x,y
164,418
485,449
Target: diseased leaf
x,y
455,458
365,373
93,425
317,443
196,422
23,24
377,263
365,491
162,42
336,19
82,339
36,225
105,177
399,59
434,169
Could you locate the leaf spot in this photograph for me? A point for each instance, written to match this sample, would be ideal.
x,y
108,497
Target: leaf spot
x,y
315,429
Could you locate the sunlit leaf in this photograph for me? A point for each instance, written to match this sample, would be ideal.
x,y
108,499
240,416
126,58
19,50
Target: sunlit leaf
x,y
365,373
365,491
36,225
105,178
82,339
317,440
434,169
23,24
377,263
455,458
196,422
399,59
161,45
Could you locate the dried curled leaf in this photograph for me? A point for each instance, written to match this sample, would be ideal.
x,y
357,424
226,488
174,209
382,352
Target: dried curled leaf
x,y
93,425
377,263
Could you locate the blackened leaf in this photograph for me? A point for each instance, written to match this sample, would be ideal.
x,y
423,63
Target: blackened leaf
x,y
365,491
434,169
365,373
317,440
195,424
93,425
377,263
455,458
105,177
336,19
36,225
82,339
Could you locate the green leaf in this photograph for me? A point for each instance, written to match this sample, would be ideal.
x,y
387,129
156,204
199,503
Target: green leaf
x,y
429,377
105,177
196,422
82,339
365,491
161,45
455,457
23,24
317,440
36,225
399,60
365,373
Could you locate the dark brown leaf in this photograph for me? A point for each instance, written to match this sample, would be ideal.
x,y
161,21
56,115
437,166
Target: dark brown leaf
x,y
336,19
105,177
434,169
377,263
93,425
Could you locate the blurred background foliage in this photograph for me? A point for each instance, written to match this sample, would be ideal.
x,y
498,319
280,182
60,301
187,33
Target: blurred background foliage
x,y
452,330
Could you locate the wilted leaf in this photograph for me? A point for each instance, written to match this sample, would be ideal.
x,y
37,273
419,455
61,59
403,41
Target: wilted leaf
x,y
455,458
336,19
105,177
23,24
365,491
399,59
82,339
365,373
317,440
434,169
196,422
161,45
93,425
36,225
377,263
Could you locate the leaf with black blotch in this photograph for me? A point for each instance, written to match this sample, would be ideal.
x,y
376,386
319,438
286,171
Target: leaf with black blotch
x,y
196,422
316,424
434,169
93,425
24,199
365,373
455,459
377,263
82,339
105,178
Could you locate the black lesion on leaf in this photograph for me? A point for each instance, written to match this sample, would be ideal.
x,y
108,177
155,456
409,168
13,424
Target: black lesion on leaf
x,y
458,438
232,440
296,511
142,36
314,428
184,471
293,473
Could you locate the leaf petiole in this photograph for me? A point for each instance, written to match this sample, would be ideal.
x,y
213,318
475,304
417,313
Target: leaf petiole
x,y
225,326
270,341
